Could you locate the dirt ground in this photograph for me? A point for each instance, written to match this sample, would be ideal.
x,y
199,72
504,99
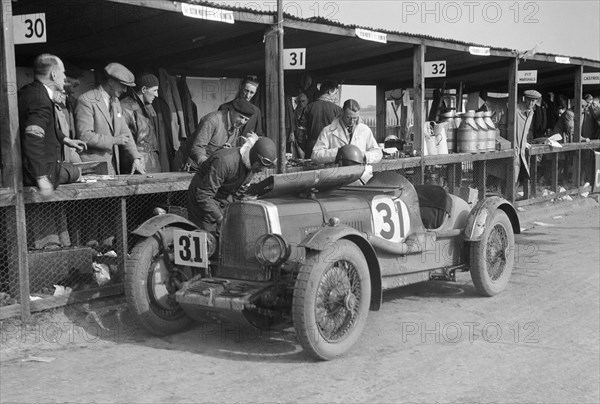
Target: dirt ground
x,y
433,342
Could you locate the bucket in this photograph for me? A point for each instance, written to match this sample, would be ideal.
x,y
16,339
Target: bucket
x,y
441,141
429,148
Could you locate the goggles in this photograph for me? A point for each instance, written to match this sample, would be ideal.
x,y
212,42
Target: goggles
x,y
266,162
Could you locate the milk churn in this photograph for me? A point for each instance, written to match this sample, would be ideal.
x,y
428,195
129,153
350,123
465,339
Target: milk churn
x,y
448,119
482,134
493,132
466,135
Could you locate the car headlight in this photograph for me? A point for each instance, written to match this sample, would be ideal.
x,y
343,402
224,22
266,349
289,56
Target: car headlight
x,y
271,249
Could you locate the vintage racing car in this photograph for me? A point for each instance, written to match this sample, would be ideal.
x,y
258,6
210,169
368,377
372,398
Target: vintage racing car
x,y
312,251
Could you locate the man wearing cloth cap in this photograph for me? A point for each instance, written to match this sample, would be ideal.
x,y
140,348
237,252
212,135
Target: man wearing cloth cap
x,y
524,133
100,123
142,120
217,130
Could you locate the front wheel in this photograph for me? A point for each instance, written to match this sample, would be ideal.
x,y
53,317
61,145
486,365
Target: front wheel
x,y
331,300
493,257
149,287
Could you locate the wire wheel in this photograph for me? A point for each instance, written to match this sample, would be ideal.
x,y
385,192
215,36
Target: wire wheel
x,y
338,297
493,257
331,300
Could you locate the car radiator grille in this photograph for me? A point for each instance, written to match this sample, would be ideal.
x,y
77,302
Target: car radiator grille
x,y
244,224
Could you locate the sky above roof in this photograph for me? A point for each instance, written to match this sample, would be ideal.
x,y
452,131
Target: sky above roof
x,y
567,28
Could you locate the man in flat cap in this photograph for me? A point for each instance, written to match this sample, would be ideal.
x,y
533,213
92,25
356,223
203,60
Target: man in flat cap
x,y
142,121
524,133
42,138
100,123
217,130
247,92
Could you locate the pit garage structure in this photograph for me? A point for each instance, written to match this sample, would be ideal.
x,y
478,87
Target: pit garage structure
x,y
144,34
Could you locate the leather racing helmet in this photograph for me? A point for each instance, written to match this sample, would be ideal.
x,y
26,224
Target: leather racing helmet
x,y
264,151
349,155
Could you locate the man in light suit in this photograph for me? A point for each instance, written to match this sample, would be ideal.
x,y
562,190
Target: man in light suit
x,y
100,123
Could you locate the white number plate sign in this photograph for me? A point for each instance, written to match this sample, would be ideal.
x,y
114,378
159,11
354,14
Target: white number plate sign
x,y
190,248
29,28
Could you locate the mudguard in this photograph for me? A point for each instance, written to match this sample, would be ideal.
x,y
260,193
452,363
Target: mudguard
x,y
481,214
155,223
326,237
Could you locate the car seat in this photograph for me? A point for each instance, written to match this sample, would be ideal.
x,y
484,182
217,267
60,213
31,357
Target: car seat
x,y
434,205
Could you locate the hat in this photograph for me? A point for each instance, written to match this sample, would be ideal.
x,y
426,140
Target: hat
x,y
147,80
120,73
534,95
243,107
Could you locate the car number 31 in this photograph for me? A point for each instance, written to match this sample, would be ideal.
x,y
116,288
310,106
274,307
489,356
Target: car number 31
x,y
390,218
190,248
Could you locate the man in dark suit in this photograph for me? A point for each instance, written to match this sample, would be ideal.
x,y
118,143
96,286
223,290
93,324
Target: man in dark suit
x,y
41,138
247,92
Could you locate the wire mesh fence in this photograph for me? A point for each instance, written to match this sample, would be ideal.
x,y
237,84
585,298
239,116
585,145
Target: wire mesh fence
x,y
81,244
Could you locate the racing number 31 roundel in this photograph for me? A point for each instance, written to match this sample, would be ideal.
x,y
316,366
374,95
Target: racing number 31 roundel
x,y
390,218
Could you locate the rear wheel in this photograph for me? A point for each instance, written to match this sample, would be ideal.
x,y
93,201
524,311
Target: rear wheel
x,y
331,300
150,287
493,257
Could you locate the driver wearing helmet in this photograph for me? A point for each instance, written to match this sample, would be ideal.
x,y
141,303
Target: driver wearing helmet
x,y
219,178
346,129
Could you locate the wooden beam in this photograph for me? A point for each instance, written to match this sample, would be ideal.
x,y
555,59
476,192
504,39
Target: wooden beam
x,y
175,6
419,97
380,113
577,108
512,127
12,175
272,85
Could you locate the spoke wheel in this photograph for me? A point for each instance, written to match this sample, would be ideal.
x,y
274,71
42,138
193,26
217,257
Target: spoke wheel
x,y
150,288
493,257
331,300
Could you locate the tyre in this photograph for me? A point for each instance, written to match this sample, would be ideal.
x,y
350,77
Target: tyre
x,y
331,300
493,257
149,290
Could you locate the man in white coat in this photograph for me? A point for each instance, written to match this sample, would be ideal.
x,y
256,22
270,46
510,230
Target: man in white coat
x,y
346,129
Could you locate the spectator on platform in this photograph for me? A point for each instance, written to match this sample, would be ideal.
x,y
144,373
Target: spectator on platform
x,y
247,92
42,139
320,113
100,123
142,121
346,129
217,130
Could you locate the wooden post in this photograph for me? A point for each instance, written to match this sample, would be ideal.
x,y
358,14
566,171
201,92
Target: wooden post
x,y
512,127
380,113
272,84
577,122
419,102
12,176
282,133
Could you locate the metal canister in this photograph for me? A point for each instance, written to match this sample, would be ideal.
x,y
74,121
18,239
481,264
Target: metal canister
x,y
493,132
467,134
482,135
448,117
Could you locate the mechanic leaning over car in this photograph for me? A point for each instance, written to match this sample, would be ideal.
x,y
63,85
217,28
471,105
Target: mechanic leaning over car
x,y
219,179
346,129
